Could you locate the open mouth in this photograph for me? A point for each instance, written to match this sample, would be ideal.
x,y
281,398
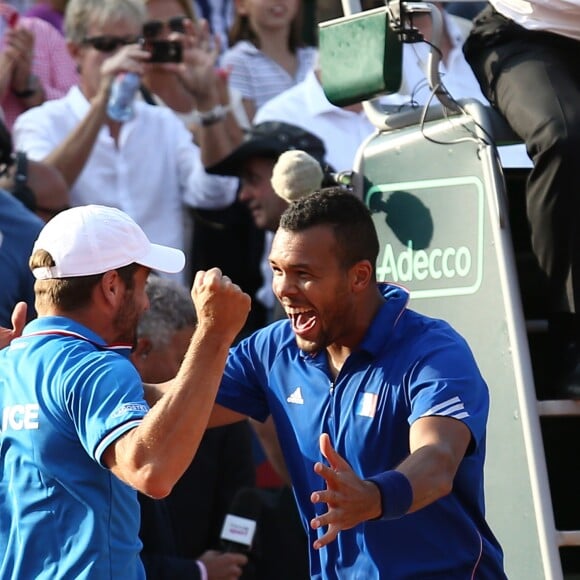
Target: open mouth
x,y
303,319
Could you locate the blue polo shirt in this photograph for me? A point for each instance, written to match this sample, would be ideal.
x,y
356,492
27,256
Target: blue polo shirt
x,y
408,366
65,396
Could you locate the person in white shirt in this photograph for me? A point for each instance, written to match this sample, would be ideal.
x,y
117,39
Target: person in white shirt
x,y
148,166
523,53
341,129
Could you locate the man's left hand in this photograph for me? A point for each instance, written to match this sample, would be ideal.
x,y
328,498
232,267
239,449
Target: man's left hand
x,y
350,499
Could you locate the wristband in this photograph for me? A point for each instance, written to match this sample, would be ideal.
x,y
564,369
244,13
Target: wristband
x,y
207,118
396,494
202,569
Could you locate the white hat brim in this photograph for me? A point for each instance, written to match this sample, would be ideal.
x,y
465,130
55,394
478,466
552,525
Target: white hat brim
x,y
163,259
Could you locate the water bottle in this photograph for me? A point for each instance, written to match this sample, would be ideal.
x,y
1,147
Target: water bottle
x,y
123,90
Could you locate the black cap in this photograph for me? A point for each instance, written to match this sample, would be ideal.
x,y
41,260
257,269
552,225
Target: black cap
x,y
269,139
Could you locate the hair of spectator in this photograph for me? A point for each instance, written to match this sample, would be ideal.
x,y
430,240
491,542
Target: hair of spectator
x,y
186,6
80,15
170,309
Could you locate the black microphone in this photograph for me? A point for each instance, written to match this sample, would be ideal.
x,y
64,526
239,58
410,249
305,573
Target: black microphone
x,y
240,523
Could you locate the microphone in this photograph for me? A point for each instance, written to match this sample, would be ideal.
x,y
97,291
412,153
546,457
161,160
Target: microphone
x,y
240,523
295,175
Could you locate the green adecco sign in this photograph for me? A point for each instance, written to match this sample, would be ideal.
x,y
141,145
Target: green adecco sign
x,y
421,247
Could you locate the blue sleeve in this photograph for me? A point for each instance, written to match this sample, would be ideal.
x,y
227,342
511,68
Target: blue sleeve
x,y
445,381
243,386
105,399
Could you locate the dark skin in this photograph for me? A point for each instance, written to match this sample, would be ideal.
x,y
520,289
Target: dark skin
x,y
308,276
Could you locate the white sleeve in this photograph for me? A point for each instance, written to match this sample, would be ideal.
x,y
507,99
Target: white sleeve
x,y
33,136
206,191
199,188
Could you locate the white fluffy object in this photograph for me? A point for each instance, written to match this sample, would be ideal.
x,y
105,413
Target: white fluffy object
x,y
295,175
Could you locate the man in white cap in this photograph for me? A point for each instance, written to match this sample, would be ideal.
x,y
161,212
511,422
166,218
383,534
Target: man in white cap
x,y
77,434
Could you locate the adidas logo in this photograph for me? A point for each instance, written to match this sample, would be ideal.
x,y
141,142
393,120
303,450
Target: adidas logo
x,y
296,397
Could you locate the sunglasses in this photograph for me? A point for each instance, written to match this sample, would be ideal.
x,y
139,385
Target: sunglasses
x,y
153,28
110,43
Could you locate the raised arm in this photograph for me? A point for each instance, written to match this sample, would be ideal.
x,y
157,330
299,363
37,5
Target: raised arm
x,y
73,153
153,456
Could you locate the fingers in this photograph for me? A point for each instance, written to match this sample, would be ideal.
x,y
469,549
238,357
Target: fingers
x,y
214,278
332,517
18,318
237,559
18,322
333,458
326,538
225,566
130,58
220,303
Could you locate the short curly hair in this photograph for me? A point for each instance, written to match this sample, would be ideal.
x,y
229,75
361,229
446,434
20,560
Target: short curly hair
x,y
349,218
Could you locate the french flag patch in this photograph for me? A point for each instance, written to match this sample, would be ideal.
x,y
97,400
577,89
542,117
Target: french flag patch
x,y
367,405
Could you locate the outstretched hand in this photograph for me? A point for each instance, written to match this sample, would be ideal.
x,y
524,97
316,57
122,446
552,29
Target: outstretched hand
x,y
350,499
18,322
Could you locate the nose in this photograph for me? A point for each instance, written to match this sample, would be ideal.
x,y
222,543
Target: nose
x,y
245,193
282,285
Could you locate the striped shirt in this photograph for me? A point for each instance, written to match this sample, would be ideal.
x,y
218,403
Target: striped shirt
x,y
258,77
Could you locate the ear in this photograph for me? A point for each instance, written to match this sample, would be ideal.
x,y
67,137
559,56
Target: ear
x,y
74,49
361,275
112,289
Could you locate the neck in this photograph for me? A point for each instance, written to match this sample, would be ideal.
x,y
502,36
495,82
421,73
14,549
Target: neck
x,y
96,322
274,43
359,324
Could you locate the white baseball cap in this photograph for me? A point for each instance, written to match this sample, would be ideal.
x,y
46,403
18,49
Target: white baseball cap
x,y
93,239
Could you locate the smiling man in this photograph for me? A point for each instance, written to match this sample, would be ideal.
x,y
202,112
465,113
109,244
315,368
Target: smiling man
x,y
381,412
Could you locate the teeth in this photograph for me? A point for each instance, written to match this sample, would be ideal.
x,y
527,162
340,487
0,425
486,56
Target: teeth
x,y
294,311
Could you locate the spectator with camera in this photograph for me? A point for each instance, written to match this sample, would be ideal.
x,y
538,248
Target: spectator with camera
x,y
147,166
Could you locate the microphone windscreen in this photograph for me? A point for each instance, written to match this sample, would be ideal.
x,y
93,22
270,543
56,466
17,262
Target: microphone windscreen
x,y
295,175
